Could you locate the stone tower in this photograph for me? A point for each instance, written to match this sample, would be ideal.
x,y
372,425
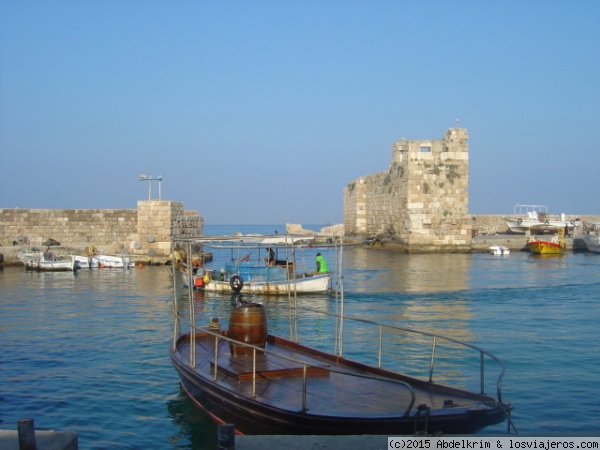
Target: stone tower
x,y
421,201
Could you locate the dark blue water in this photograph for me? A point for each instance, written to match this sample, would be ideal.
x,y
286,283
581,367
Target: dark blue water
x,y
88,352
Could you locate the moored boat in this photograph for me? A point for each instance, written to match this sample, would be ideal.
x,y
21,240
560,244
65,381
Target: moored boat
x,y
591,236
499,250
46,261
85,262
526,216
546,239
268,384
114,261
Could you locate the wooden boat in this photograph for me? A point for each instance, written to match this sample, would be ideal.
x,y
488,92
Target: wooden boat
x,y
546,239
258,280
114,261
526,216
267,384
254,267
86,262
591,236
46,261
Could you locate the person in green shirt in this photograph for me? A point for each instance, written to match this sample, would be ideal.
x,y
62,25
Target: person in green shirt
x,y
321,264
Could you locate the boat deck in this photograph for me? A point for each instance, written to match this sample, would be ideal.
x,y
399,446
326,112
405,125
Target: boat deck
x,y
333,388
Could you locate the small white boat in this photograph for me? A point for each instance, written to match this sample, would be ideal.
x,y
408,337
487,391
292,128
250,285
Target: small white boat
x,y
86,262
499,250
114,261
591,236
46,261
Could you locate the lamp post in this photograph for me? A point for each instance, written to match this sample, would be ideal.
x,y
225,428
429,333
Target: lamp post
x,y
149,179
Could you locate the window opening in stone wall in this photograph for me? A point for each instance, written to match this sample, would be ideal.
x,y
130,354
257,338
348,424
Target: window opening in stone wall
x,y
425,149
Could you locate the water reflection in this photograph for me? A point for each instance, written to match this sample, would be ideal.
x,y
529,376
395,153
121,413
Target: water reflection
x,y
388,271
196,429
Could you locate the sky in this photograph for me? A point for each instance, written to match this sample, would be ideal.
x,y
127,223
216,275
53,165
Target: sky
x,y
261,112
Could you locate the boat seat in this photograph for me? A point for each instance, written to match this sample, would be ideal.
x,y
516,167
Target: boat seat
x,y
267,366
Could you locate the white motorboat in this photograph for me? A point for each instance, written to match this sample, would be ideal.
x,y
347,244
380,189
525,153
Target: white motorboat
x,y
46,261
499,250
591,236
114,261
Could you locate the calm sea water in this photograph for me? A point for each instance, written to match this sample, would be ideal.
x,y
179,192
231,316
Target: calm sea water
x,y
88,352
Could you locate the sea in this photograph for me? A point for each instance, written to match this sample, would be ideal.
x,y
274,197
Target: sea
x,y
88,351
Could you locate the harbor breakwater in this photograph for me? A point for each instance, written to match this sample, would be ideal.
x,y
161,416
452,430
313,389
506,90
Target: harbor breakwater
x,y
145,233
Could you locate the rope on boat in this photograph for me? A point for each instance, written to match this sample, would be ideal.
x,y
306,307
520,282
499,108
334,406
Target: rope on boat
x,y
508,418
422,409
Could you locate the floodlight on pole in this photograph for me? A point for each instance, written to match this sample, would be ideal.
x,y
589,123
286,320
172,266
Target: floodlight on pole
x,y
149,179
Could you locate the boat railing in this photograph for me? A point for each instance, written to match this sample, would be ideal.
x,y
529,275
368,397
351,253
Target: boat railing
x,y
526,209
305,365
435,340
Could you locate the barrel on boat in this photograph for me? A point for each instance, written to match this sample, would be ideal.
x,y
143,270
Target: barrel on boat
x,y
248,324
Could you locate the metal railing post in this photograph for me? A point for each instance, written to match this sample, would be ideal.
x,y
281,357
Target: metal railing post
x,y
432,357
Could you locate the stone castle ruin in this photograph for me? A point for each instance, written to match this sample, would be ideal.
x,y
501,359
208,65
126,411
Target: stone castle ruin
x,y
421,202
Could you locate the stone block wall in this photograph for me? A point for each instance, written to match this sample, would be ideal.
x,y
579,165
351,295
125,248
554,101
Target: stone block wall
x,y
143,231
78,227
421,201
159,221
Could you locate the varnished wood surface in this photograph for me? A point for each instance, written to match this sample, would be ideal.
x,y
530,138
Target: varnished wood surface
x,y
279,382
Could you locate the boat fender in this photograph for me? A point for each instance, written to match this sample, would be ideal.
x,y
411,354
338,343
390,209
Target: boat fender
x,y
206,278
198,282
236,283
572,222
519,221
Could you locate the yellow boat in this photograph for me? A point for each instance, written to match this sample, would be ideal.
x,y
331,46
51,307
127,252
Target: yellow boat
x,y
546,239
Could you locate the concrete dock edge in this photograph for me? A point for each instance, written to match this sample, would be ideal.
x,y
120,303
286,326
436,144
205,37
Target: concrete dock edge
x,y
44,439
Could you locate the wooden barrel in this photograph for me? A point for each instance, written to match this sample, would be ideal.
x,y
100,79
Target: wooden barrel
x,y
248,324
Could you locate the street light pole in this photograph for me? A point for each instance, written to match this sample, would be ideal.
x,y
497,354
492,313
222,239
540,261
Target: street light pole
x,y
150,180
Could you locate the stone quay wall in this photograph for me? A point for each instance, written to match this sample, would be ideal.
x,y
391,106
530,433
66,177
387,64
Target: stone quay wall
x,y
146,230
421,201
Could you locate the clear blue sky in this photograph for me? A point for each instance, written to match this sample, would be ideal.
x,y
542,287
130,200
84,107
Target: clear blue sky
x,y
259,112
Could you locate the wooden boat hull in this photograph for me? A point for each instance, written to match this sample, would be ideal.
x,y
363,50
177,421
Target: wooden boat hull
x,y
313,284
309,285
84,262
67,265
114,262
592,243
545,248
373,408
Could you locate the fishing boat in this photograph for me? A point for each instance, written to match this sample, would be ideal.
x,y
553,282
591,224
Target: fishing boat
x,y
257,265
114,261
264,383
526,216
46,261
591,236
546,239
85,262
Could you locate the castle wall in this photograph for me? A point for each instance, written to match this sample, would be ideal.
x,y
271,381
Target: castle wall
x,y
143,231
421,201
